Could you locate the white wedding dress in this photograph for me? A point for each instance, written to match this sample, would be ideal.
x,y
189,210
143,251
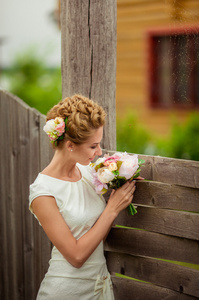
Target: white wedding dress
x,y
80,207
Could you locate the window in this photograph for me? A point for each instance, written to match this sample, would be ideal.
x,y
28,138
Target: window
x,y
174,68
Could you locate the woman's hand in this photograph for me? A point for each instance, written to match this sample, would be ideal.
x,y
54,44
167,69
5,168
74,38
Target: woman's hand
x,y
122,197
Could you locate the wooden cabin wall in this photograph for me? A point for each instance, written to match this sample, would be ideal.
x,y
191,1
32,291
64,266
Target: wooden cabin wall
x,y
134,19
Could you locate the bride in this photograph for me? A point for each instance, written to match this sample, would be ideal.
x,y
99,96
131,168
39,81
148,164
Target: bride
x,y
74,217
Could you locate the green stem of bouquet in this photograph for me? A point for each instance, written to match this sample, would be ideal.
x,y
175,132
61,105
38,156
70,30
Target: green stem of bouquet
x,y
131,210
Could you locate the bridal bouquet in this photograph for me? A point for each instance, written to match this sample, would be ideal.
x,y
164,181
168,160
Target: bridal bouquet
x,y
111,172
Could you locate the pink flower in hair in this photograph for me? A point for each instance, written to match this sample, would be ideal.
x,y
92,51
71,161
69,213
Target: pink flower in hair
x,y
55,128
60,128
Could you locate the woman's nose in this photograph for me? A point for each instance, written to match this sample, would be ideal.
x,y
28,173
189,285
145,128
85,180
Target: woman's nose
x,y
99,151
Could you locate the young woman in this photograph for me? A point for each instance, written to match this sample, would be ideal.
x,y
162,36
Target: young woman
x,y
74,217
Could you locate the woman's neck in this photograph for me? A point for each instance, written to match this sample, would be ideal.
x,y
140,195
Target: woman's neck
x,y
62,167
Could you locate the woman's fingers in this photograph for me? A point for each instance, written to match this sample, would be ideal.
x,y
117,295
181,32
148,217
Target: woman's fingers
x,y
140,178
130,186
132,190
113,192
123,196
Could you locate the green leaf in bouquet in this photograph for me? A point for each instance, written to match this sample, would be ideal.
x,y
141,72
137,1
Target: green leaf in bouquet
x,y
99,166
121,180
136,175
119,163
116,172
137,172
141,161
112,185
117,182
104,191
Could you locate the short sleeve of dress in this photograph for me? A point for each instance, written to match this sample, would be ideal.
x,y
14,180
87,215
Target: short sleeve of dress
x,y
37,189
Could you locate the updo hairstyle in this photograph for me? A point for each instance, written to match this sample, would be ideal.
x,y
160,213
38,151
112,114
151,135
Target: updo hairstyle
x,y
84,115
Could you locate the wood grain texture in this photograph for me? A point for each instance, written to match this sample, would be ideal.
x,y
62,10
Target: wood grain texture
x,y
163,195
184,280
173,171
129,289
32,228
88,30
175,223
25,249
4,193
145,243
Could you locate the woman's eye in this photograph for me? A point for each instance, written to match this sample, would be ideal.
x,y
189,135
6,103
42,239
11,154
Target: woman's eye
x,y
93,147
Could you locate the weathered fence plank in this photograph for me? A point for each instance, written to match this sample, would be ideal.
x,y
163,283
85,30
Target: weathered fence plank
x,y
174,171
14,209
163,195
45,154
23,182
176,223
4,194
34,230
129,289
155,271
146,243
25,248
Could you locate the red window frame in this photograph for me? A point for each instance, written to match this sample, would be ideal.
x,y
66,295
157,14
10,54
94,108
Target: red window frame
x,y
154,97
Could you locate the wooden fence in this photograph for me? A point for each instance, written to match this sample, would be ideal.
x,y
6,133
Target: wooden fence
x,y
25,249
145,249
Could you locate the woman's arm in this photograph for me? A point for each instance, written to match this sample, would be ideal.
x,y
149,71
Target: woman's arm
x,y
78,251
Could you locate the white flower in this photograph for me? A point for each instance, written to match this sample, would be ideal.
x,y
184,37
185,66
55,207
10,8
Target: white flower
x,y
99,161
50,126
58,120
104,175
112,166
129,166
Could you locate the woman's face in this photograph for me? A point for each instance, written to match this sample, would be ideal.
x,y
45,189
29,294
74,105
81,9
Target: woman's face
x,y
86,152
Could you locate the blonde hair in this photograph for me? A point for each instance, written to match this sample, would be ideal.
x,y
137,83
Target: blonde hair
x,y
84,116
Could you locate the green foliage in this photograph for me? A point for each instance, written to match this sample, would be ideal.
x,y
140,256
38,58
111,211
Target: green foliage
x,y
131,136
183,141
31,80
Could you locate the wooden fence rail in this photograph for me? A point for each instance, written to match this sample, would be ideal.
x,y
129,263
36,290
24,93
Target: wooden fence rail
x,y
153,255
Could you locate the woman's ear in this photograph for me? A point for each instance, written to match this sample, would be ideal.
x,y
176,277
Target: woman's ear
x,y
69,145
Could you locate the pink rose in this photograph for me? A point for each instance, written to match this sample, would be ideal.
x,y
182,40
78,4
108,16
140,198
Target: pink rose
x,y
101,188
129,165
113,158
60,128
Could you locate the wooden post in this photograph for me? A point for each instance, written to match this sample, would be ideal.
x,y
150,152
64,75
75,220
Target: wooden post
x,y
88,31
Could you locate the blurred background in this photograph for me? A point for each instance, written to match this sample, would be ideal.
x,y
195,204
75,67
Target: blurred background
x,y
157,84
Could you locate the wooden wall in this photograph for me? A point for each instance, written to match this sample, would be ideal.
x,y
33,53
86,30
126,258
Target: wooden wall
x,y
165,228
25,249
134,19
155,254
